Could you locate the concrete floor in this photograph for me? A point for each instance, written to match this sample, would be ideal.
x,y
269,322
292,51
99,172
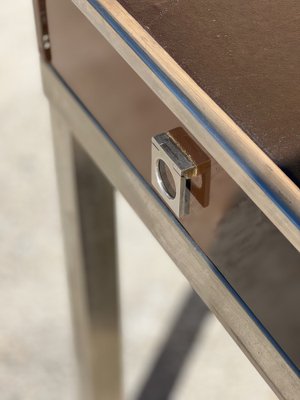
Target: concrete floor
x,y
36,350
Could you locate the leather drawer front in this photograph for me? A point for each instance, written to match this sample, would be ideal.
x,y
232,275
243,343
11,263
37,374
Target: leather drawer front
x,y
257,261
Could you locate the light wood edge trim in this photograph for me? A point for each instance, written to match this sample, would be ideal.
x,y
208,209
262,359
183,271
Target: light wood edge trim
x,y
188,259
210,144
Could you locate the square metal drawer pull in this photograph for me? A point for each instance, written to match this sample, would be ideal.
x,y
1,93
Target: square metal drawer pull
x,y
179,168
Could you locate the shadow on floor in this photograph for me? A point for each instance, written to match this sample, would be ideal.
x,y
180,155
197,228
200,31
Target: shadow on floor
x,y
174,352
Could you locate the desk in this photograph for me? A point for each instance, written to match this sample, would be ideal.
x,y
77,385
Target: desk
x,y
117,74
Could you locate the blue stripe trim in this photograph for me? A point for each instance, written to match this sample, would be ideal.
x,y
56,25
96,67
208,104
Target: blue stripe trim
x,y
293,217
211,265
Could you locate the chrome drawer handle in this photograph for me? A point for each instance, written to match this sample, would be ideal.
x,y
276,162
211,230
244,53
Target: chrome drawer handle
x,y
179,168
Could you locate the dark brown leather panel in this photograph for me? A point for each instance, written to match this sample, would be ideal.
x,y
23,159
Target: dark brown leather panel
x,y
261,265
245,55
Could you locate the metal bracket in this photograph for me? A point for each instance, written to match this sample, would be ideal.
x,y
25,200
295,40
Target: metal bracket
x,y
179,168
41,23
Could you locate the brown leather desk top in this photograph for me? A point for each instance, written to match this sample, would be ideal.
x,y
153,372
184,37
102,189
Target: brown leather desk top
x,y
245,55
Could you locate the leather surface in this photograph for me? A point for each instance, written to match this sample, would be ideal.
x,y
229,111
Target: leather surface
x,y
245,55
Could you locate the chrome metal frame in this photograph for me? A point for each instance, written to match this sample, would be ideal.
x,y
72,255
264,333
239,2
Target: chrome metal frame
x,y
82,150
264,183
164,149
87,209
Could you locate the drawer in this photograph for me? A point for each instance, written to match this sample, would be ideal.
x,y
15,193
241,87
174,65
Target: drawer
x,y
251,256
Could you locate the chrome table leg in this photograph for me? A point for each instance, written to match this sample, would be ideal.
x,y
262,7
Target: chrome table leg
x,y
87,207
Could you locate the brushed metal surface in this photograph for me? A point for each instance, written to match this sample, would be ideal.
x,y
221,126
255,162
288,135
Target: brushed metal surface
x,y
254,257
87,210
202,275
267,185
